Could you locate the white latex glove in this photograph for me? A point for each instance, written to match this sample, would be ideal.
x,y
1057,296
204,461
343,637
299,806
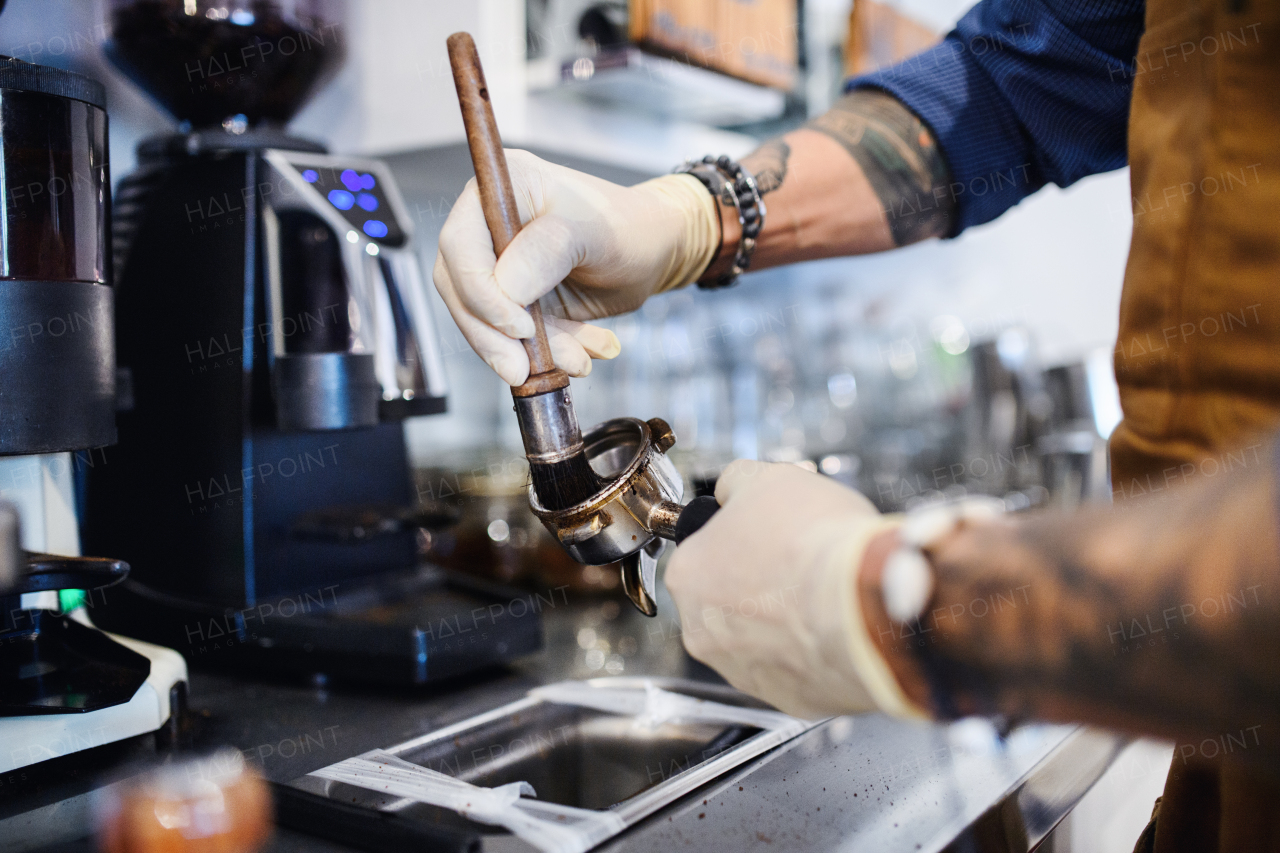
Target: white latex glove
x,y
767,598
604,249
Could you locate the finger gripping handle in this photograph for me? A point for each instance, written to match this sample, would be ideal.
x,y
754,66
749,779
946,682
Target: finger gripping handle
x,y
693,516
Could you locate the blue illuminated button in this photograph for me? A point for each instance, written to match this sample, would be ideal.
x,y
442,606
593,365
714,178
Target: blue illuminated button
x,y
350,179
367,202
375,228
341,199
310,176
368,182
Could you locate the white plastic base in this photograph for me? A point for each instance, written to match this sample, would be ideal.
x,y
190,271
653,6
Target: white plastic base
x,y
29,740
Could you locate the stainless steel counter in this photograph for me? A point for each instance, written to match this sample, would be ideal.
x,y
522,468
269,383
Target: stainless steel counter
x,y
852,783
864,783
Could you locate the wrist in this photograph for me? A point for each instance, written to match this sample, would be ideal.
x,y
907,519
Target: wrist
x,y
876,672
696,226
888,639
727,250
739,202
908,593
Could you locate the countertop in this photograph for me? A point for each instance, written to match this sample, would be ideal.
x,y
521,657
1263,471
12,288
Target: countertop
x,y
865,782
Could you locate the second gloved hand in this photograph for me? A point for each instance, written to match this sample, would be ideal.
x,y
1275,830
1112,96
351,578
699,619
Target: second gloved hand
x,y
600,249
766,593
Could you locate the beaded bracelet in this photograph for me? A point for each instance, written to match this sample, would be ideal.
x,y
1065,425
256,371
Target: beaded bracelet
x,y
728,181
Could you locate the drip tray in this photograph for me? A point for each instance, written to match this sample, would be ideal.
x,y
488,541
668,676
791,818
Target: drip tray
x,y
600,755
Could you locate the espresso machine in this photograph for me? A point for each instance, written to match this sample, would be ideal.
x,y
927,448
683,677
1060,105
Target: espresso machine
x,y
274,332
67,688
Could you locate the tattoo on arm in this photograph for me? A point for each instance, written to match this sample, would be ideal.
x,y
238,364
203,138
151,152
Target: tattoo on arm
x,y
1153,617
768,164
900,158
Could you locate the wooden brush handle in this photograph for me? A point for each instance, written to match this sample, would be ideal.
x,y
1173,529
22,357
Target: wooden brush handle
x,y
497,198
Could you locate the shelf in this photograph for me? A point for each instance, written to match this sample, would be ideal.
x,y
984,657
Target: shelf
x,y
633,79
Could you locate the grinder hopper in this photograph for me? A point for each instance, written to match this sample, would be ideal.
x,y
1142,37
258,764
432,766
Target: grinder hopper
x,y
236,63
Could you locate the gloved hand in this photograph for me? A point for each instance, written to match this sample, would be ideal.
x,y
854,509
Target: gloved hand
x,y
603,248
767,598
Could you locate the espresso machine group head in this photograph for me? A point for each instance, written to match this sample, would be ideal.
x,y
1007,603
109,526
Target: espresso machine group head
x,y
275,330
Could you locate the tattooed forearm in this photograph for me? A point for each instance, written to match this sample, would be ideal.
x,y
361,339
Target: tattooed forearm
x,y
865,177
900,158
1159,618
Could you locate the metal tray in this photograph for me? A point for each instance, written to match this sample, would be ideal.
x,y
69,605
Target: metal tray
x,y
572,755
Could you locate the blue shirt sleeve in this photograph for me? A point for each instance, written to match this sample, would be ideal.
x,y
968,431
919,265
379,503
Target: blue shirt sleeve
x,y
1023,93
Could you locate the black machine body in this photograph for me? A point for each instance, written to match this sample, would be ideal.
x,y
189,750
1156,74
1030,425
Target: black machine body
x,y
273,323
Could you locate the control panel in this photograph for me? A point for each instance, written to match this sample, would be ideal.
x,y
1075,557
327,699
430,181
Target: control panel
x,y
359,197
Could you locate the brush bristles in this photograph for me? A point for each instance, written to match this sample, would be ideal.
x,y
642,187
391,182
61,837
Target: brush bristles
x,y
560,485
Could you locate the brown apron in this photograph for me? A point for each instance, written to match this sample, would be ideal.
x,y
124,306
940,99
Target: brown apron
x,y
1198,353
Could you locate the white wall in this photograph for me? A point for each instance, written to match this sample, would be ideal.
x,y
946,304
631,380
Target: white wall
x,y
396,91
1054,263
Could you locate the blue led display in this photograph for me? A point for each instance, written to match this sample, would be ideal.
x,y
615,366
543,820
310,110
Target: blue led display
x,y
359,197
342,199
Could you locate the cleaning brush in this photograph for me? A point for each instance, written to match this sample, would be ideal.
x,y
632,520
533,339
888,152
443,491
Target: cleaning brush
x,y
558,466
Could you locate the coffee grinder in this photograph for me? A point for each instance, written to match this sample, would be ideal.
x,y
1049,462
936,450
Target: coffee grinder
x,y
66,687
274,327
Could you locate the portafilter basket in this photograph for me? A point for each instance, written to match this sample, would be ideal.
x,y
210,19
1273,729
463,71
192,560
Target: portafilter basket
x,y
638,509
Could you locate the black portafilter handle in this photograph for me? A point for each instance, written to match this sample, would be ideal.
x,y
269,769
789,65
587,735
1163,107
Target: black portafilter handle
x,y
695,514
